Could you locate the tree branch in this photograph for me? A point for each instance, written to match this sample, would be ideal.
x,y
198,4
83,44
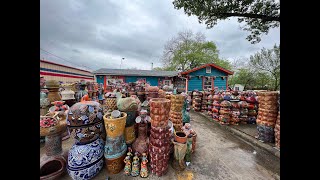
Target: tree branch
x,y
255,16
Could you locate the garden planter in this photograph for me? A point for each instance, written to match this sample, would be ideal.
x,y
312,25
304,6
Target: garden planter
x,y
115,127
129,134
115,165
142,142
180,137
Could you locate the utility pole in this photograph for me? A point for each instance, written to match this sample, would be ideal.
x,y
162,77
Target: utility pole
x,y
121,62
152,66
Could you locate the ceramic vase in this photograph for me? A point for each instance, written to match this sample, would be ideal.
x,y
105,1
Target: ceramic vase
x,y
159,112
140,145
53,88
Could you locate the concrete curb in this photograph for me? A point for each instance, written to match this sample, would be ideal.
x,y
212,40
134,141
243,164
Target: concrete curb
x,y
246,138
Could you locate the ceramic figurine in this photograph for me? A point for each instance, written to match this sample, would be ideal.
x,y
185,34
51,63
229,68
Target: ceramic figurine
x,y
143,118
127,167
144,167
135,166
126,104
187,129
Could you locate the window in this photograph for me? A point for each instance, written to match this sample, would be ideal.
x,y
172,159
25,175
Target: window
x,y
208,69
167,82
236,88
207,84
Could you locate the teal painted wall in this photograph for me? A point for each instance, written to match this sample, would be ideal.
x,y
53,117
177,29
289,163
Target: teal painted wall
x,y
196,83
100,79
152,80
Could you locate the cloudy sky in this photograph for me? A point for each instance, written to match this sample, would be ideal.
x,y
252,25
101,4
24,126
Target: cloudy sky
x,y
99,33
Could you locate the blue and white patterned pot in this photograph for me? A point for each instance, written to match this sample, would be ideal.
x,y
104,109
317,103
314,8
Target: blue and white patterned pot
x,y
85,161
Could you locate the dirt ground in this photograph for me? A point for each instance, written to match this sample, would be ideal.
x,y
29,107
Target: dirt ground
x,y
219,155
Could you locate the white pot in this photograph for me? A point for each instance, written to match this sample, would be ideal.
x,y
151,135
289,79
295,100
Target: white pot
x,y
67,93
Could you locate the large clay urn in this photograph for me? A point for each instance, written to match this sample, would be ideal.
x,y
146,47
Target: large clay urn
x,y
115,146
53,163
53,88
142,142
85,158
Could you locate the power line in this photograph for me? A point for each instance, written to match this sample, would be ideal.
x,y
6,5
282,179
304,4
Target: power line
x,y
65,59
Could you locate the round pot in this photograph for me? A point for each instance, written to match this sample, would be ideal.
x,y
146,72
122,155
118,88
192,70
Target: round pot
x,y
49,124
180,137
114,166
85,161
53,168
115,127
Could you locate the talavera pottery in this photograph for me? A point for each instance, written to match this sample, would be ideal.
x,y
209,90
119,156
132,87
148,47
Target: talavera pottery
x,y
83,119
85,161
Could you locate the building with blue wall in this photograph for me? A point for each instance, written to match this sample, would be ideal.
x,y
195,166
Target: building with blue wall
x,y
110,77
206,76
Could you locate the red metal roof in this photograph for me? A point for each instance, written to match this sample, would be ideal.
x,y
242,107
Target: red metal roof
x,y
212,65
49,62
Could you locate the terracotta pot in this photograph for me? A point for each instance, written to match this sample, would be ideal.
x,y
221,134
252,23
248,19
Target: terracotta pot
x,y
142,142
115,127
129,134
114,166
180,137
53,168
82,163
58,126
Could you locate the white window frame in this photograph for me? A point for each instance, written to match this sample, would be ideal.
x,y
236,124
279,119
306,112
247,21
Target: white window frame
x,y
208,69
166,80
206,86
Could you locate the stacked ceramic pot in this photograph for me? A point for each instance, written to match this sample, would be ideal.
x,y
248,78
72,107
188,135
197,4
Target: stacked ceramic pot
x,y
159,146
85,122
53,163
53,88
267,115
132,88
243,108
115,148
235,109
217,99
277,131
67,94
177,102
140,89
225,112
252,108
210,102
196,100
152,92
204,102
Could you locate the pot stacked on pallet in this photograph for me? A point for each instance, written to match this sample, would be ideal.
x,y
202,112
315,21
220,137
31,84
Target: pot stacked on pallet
x,y
204,102
217,98
85,159
115,148
267,115
252,108
235,109
243,117
196,100
159,145
225,112
177,102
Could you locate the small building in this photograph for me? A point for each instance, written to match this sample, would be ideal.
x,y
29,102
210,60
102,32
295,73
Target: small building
x,y
206,76
110,77
238,87
67,74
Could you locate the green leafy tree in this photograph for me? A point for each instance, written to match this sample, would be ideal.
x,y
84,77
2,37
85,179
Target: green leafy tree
x,y
189,50
268,61
259,15
243,76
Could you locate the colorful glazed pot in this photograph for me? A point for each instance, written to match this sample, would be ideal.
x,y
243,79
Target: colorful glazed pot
x,y
115,165
86,161
115,127
129,134
114,147
85,121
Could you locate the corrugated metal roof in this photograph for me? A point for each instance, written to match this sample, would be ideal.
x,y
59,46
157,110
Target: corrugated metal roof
x,y
133,72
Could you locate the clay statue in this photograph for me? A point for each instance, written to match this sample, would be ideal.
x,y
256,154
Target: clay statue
x,y
126,104
135,166
127,167
144,167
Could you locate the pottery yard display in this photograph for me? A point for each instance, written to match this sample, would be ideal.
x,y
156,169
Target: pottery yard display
x,y
67,93
53,163
177,102
115,147
197,100
85,122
